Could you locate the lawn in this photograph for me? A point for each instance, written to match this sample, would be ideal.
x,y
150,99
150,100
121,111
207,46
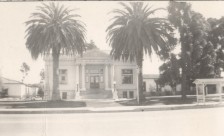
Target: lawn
x,y
42,104
96,103
159,101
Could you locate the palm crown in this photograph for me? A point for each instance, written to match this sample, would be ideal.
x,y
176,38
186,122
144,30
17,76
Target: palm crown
x,y
54,27
134,31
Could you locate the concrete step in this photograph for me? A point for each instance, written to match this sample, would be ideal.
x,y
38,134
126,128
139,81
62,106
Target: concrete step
x,y
96,94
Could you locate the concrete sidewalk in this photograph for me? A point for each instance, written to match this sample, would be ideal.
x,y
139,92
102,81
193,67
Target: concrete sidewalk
x,y
110,109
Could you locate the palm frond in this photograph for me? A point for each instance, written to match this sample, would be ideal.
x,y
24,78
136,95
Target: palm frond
x,y
54,26
133,32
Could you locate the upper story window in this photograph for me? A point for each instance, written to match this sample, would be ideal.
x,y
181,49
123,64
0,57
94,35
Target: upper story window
x,y
127,76
63,76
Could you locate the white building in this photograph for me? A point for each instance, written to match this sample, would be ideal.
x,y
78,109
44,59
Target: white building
x,y
152,88
94,75
149,83
17,89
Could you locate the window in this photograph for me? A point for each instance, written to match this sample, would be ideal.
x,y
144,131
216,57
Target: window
x,y
131,94
127,76
63,76
125,94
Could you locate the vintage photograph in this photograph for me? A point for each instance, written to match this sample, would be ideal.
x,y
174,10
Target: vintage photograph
x,y
111,68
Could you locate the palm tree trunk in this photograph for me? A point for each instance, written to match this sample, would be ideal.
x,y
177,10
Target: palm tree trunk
x,y
56,92
140,78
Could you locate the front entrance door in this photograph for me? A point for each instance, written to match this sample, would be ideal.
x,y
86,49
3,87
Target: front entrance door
x,y
94,82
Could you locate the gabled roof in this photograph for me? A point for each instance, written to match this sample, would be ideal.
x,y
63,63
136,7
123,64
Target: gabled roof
x,y
150,76
10,81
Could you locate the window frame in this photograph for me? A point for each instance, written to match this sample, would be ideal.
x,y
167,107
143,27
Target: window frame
x,y
123,94
63,73
127,75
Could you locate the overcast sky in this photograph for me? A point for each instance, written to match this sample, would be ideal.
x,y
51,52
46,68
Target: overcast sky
x,y
94,14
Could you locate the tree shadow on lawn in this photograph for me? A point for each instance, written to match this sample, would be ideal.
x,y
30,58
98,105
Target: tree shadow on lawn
x,y
158,101
44,104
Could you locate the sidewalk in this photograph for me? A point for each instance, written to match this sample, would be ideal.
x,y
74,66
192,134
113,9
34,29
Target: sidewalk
x,y
110,109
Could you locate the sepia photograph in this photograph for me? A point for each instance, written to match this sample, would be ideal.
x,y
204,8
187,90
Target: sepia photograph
x,y
111,68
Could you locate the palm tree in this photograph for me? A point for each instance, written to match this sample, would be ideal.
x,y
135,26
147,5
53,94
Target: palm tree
x,y
53,30
134,32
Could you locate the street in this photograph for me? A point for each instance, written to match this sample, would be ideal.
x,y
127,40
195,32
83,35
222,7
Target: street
x,y
195,122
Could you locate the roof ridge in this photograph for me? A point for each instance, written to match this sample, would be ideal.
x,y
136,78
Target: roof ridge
x,y
12,80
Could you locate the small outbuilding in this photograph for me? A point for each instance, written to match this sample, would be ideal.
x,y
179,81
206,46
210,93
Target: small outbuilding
x,y
209,88
17,89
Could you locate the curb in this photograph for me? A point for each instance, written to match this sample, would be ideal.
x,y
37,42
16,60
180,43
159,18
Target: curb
x,y
108,109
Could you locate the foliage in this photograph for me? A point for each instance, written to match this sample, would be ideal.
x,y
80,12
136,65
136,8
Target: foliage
x,y
42,74
196,52
24,69
91,45
198,56
170,72
180,16
216,37
40,92
208,59
54,30
135,32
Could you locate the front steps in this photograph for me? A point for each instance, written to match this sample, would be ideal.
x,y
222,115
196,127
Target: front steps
x,y
96,94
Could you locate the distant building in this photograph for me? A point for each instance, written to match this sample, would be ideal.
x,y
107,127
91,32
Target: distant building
x,y
17,89
152,88
94,75
149,82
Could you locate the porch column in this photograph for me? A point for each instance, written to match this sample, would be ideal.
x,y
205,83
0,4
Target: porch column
x,y
197,89
112,76
77,78
203,89
219,86
83,77
106,77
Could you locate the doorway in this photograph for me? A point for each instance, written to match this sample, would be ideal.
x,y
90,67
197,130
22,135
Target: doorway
x,y
94,82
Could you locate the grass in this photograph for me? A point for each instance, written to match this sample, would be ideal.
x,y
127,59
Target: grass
x,y
96,103
159,101
42,104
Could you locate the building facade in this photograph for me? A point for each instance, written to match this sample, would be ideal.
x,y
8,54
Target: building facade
x,y
94,74
16,89
149,84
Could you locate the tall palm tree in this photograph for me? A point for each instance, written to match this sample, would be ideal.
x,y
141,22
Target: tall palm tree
x,y
134,32
54,30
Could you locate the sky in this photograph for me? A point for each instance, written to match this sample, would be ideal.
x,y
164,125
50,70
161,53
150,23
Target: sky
x,y
95,14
